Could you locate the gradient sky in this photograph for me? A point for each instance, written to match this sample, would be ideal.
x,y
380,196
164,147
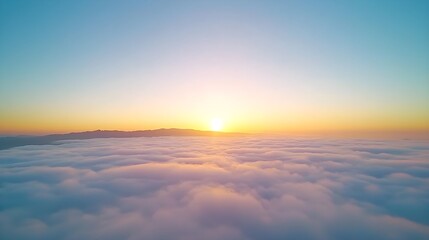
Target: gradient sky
x,y
262,66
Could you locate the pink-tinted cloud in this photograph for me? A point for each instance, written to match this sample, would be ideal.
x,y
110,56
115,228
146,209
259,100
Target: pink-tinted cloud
x,y
222,188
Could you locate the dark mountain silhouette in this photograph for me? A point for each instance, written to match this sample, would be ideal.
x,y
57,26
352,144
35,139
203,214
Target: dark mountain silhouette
x,y
10,142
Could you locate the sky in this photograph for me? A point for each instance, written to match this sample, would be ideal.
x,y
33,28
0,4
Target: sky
x,y
260,66
246,188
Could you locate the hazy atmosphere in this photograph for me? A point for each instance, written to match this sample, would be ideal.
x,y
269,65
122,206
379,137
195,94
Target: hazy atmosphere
x,y
214,120
261,66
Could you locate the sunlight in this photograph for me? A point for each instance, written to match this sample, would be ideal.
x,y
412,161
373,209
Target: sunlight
x,y
216,124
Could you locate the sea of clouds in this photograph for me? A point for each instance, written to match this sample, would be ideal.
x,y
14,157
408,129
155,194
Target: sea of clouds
x,y
216,188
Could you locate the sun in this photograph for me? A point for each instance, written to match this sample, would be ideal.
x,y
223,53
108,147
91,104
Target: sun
x,y
216,124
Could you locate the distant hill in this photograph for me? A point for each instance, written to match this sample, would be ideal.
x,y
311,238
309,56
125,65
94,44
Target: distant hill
x,y
10,142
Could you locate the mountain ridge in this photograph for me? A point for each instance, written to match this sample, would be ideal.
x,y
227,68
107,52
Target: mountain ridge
x,y
16,141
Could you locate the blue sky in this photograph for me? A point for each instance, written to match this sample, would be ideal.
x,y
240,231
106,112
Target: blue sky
x,y
293,61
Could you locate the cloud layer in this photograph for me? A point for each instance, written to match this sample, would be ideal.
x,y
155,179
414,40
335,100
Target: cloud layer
x,y
216,188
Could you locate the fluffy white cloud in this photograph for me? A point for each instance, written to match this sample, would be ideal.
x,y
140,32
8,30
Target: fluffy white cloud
x,y
216,188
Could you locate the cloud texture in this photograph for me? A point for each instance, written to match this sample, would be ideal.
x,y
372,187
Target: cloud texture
x,y
216,188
